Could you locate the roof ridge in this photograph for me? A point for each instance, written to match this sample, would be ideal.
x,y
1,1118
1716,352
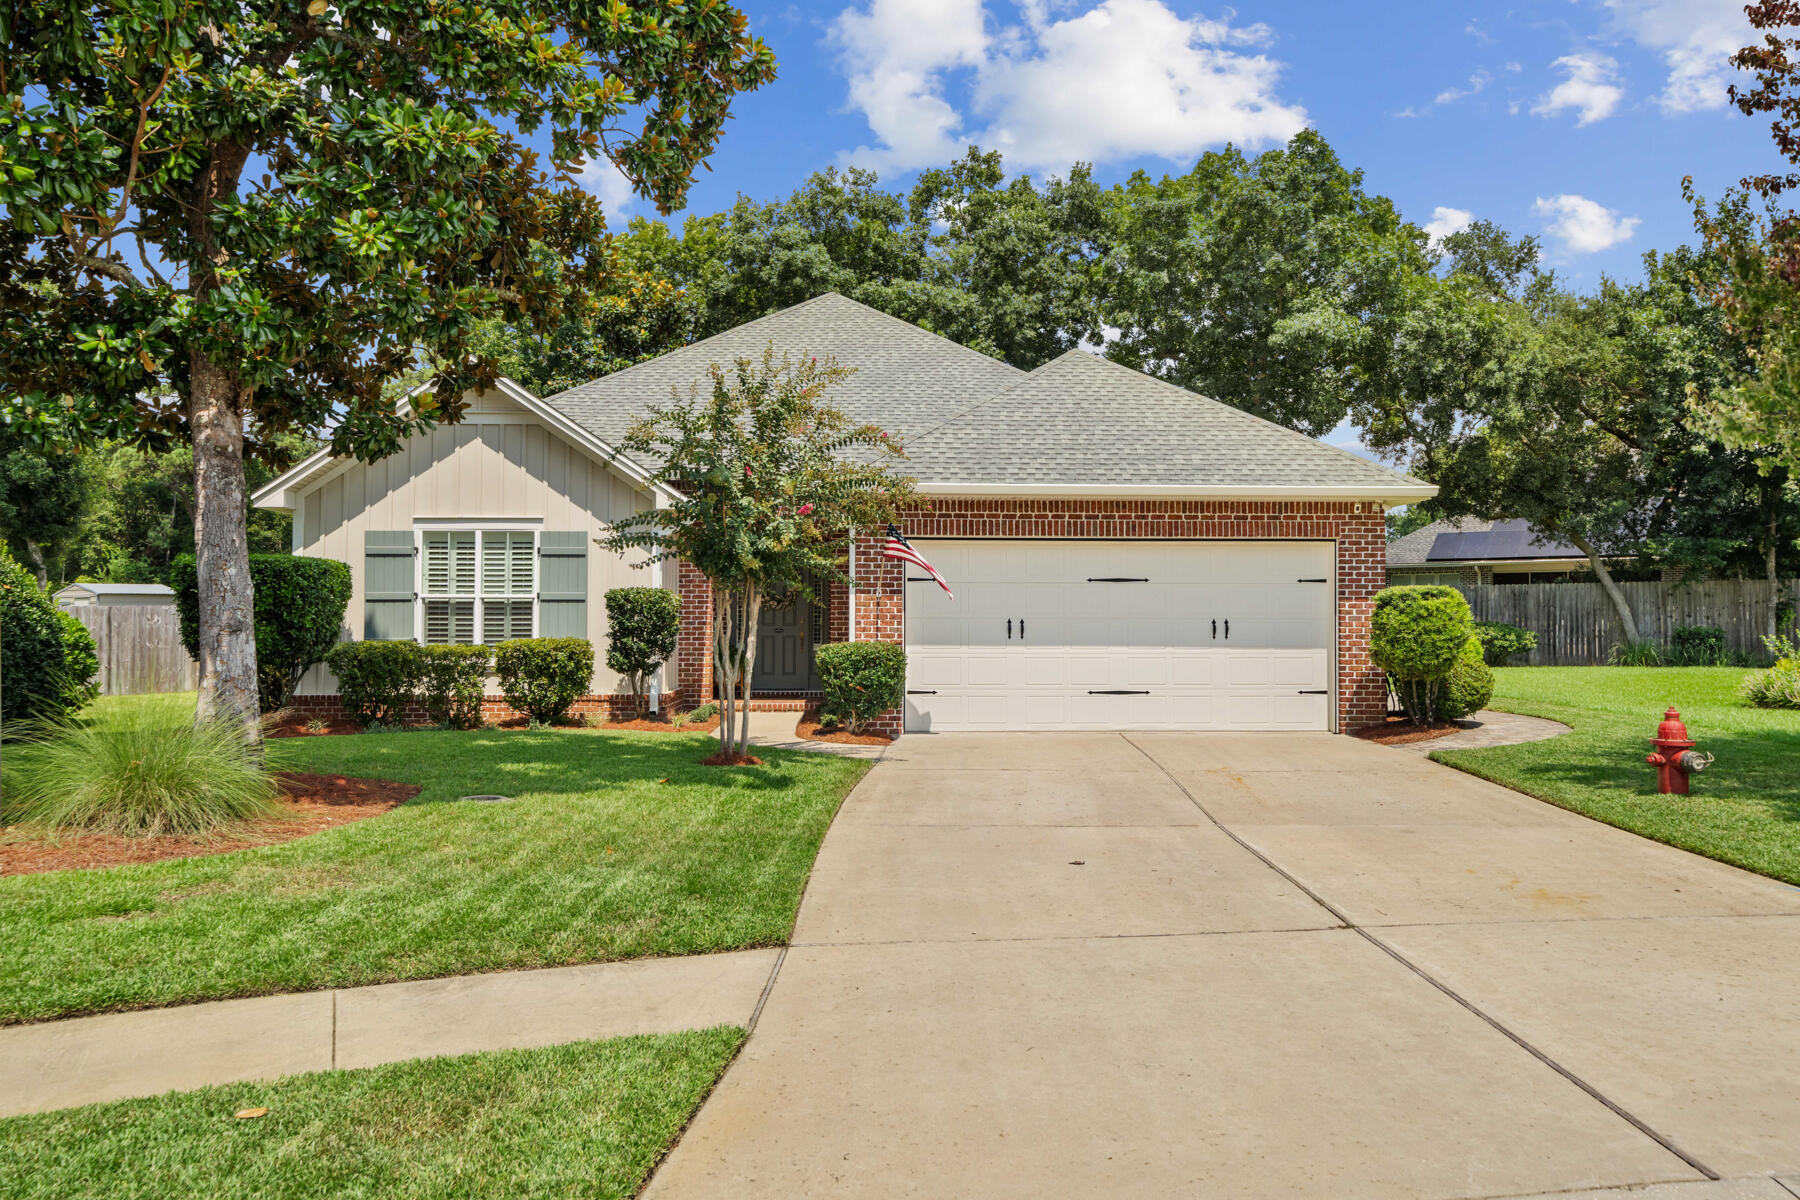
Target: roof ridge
x,y
1024,378
1235,412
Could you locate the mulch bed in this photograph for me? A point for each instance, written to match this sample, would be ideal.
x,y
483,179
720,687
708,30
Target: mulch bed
x,y
723,759
810,730
312,804
655,725
1398,731
291,723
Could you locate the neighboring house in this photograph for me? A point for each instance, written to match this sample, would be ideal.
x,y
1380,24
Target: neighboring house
x,y
102,595
1470,550
1125,554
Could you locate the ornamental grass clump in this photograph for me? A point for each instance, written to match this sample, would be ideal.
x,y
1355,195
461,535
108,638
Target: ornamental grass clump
x,y
147,773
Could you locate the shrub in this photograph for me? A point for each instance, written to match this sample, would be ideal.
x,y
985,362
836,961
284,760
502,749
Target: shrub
x,y
704,712
541,677
1469,685
1415,635
452,682
35,677
1501,642
153,771
862,680
81,663
299,616
1645,653
1697,646
376,679
1777,687
642,625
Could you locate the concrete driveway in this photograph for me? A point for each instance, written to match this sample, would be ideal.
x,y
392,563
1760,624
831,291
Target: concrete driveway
x,y
1068,965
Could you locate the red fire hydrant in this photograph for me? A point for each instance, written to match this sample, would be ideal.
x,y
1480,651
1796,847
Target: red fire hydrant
x,y
1675,758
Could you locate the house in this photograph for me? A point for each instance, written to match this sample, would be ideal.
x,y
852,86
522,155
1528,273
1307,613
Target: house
x,y
1125,554
107,595
1470,550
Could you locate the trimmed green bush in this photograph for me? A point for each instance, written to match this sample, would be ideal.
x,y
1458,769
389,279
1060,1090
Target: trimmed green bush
x,y
862,680
1469,685
81,662
452,682
1416,635
34,672
299,616
1697,646
542,677
642,625
1501,642
153,771
376,679
1778,687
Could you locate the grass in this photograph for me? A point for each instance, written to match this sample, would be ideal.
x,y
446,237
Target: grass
x,y
1745,809
147,770
614,845
584,1120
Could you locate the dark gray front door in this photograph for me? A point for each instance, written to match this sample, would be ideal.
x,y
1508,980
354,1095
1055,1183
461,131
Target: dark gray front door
x,y
784,661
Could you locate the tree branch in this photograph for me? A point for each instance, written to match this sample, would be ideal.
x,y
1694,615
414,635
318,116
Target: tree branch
x,y
118,272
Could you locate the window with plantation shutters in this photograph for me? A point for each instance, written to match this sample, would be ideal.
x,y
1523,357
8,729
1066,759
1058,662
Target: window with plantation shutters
x,y
447,586
508,585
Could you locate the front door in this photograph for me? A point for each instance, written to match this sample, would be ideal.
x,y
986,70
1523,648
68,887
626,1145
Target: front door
x,y
784,661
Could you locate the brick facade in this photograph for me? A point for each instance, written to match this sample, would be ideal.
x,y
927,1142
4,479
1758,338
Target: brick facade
x,y
693,647
1357,527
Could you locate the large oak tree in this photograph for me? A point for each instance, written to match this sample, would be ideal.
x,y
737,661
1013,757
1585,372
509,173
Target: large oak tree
x,y
230,219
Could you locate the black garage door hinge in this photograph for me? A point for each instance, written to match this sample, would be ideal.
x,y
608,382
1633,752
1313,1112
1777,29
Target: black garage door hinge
x,y
1312,581
1118,692
1314,692
921,691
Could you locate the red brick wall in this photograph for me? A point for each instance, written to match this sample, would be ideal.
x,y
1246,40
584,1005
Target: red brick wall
x,y
693,646
1356,527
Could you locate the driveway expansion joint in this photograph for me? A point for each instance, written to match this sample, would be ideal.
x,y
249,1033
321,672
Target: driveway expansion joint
x,y
1517,1039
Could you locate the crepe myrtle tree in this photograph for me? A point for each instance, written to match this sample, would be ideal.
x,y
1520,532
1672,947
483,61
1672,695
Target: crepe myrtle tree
x,y
226,220
768,478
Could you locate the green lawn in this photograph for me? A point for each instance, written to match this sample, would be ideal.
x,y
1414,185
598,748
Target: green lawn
x,y
1745,809
596,858
584,1120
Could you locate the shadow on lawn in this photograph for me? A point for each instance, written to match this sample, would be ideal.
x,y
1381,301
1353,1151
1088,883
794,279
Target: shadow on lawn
x,y
448,765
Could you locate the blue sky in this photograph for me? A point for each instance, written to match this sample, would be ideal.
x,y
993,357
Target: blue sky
x,y
1571,119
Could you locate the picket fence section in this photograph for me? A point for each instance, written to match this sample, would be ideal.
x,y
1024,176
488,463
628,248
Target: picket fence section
x,y
140,648
1576,625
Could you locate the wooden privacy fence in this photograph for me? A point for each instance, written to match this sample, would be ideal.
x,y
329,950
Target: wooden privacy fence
x,y
140,648
1576,625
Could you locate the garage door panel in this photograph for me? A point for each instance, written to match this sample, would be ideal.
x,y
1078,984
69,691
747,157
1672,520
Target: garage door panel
x,y
1137,655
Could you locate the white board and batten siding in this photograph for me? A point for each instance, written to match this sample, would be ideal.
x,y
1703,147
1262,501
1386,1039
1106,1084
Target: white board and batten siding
x,y
500,468
1228,635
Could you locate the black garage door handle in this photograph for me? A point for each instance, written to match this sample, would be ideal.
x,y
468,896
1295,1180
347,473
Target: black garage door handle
x,y
1118,692
1117,579
921,691
1314,692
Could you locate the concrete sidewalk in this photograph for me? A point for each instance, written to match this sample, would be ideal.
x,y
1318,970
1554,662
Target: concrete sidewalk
x,y
1253,965
59,1064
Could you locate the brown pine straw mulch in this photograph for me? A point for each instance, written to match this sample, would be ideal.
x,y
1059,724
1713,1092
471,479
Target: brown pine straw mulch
x,y
313,804
293,723
722,759
1398,731
810,730
662,725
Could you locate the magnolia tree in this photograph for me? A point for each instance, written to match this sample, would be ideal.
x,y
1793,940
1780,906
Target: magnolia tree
x,y
226,220
768,479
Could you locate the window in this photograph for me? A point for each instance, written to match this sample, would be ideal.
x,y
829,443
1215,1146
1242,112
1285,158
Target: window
x,y
477,583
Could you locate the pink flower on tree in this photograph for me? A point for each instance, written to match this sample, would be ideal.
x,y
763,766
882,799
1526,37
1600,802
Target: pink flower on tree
x,y
805,509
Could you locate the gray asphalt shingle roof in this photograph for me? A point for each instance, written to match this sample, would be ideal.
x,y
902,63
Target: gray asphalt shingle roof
x,y
969,419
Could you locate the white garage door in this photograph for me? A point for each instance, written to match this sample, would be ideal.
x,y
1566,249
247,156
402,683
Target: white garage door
x,y
1120,635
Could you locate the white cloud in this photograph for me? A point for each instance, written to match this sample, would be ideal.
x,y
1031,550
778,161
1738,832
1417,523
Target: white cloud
x,y
1583,226
616,194
1696,39
1117,80
1591,87
1446,221
1477,81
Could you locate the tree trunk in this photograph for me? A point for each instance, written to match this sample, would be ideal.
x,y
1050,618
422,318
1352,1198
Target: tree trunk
x,y
1627,622
752,614
35,553
222,548
1771,549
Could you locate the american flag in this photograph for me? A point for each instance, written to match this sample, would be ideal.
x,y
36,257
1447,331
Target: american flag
x,y
898,547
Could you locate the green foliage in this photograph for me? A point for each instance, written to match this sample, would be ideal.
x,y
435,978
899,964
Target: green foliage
x,y
376,680
542,677
1469,685
155,772
1697,646
1642,653
642,626
452,682
35,682
1501,642
701,712
44,495
1777,687
298,614
81,663
1415,635
861,680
